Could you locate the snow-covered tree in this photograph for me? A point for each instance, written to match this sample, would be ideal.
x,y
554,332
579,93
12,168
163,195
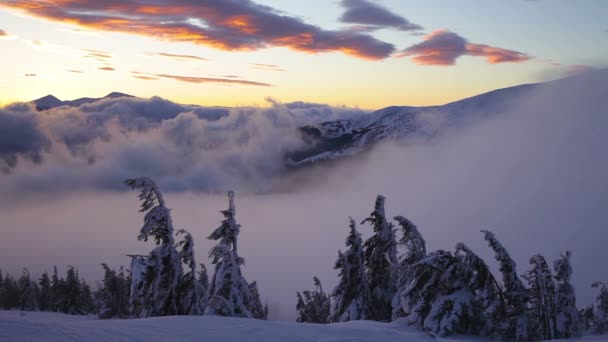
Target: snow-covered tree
x,y
438,298
71,294
543,314
113,297
587,316
28,292
257,309
600,324
44,284
487,302
568,316
154,291
351,297
515,323
380,259
229,293
9,293
415,250
313,306
189,289
203,281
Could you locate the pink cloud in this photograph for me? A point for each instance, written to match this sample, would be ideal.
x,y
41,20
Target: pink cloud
x,y
443,47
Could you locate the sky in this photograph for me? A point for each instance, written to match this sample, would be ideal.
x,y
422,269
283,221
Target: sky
x,y
359,53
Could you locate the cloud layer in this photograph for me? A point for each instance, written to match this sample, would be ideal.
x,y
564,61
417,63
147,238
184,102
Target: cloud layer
x,y
99,144
222,24
374,16
443,47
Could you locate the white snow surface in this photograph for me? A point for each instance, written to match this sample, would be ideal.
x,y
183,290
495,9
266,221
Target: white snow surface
x,y
47,326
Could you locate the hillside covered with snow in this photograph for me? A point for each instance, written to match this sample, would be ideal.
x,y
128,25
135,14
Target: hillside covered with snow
x,y
46,326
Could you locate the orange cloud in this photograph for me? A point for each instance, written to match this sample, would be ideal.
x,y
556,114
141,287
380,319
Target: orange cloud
x,y
190,79
106,68
221,24
443,47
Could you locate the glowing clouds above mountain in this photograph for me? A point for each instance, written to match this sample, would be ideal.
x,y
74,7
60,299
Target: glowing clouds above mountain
x,y
443,47
222,24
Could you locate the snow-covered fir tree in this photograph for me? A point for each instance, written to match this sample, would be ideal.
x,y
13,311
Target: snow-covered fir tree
x,y
313,306
568,316
543,314
72,298
189,289
203,281
44,283
229,292
154,290
380,259
438,298
487,302
351,297
113,296
415,250
9,293
28,292
257,309
600,324
515,321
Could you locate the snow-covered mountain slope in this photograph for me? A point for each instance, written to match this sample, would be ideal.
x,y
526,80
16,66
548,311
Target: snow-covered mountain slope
x,y
50,101
335,139
47,326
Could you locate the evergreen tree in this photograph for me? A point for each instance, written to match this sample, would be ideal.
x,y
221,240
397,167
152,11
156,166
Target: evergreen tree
x,y
568,316
380,258
543,317
313,306
28,292
55,292
487,302
45,302
203,280
515,320
257,309
230,294
154,291
438,298
587,316
415,250
113,297
189,288
9,293
71,294
352,298
86,298
600,324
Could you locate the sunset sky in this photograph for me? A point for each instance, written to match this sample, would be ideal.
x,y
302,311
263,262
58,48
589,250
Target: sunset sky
x,y
361,53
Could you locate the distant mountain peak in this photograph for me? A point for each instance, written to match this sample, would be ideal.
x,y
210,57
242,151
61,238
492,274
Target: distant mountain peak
x,y
47,102
116,94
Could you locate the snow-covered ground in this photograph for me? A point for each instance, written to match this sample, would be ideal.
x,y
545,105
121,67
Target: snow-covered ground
x,y
46,326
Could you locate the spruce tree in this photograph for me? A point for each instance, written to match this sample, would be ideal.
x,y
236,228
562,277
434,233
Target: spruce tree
x,y
189,288
380,259
568,316
351,297
515,321
113,296
28,292
229,293
313,306
543,314
45,302
71,302
203,281
415,250
155,277
487,302
9,293
600,324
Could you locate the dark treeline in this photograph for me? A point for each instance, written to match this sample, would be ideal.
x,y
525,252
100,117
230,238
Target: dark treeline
x,y
448,293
